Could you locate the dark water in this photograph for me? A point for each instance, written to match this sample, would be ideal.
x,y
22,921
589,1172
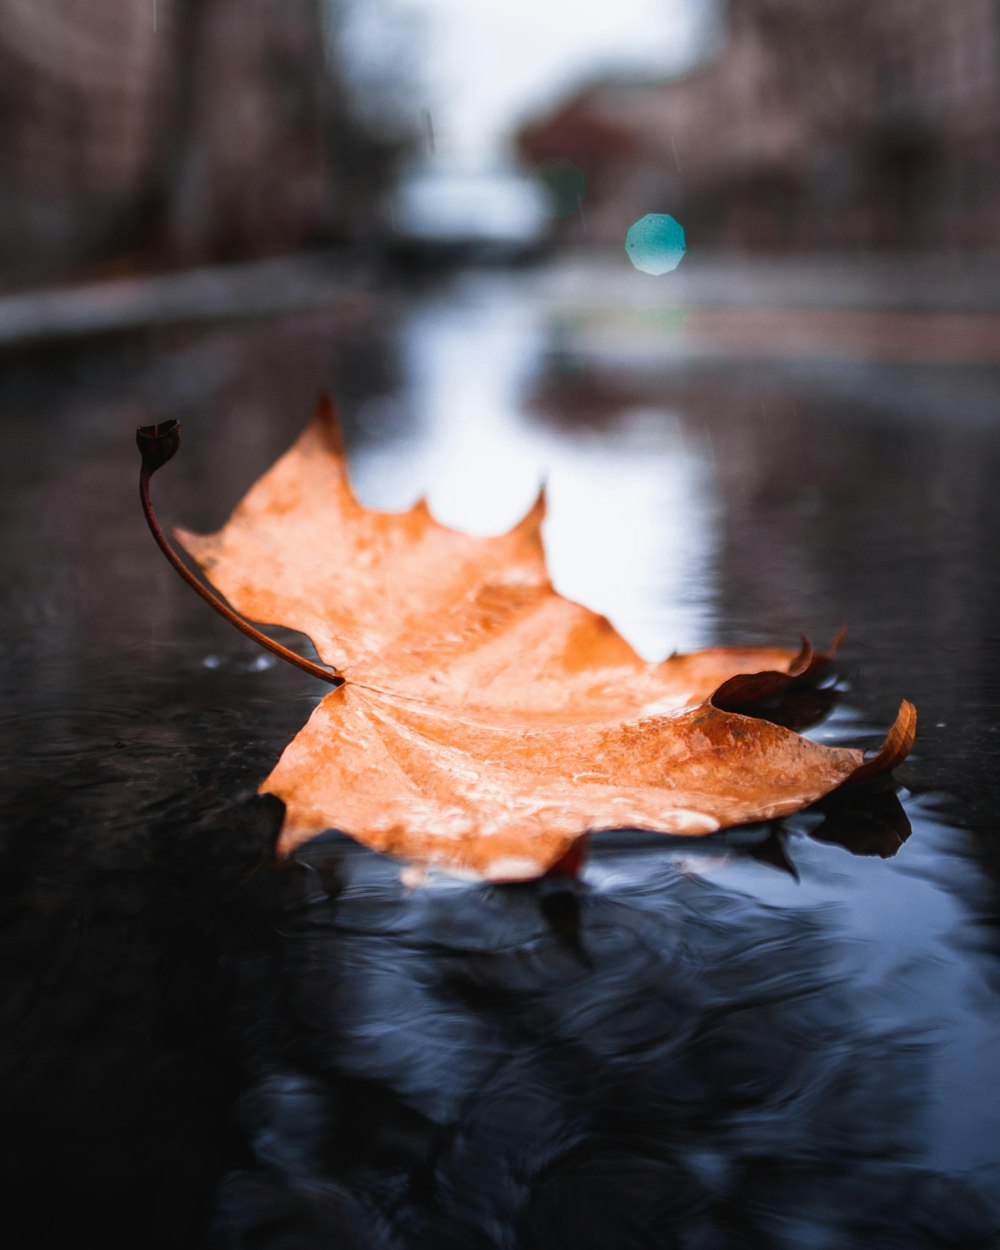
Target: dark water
x,y
779,1037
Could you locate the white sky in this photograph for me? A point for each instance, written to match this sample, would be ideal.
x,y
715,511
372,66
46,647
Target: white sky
x,y
484,65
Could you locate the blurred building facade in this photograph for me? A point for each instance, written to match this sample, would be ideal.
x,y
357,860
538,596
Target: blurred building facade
x,y
175,131
817,124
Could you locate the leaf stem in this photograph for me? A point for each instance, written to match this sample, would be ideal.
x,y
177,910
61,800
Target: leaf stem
x,y
158,444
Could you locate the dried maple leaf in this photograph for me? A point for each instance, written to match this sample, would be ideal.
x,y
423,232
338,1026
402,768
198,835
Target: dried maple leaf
x,y
485,724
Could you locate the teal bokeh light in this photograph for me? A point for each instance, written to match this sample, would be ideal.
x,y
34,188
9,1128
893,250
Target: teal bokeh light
x,y
655,243
563,183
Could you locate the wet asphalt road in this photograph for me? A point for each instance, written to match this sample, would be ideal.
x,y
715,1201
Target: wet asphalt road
x,y
780,1037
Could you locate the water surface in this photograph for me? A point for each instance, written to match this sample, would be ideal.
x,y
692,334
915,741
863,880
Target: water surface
x,y
784,1036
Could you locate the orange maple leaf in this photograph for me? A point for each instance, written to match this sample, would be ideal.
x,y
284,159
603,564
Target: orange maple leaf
x,y
485,724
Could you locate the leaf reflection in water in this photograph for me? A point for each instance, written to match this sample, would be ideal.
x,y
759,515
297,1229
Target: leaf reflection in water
x,y
653,1060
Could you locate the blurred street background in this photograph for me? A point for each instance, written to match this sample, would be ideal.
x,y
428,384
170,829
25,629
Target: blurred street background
x,y
835,165
149,137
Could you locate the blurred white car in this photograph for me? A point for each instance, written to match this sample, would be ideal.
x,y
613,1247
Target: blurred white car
x,y
493,215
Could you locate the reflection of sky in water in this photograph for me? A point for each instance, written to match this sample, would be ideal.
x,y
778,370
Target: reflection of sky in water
x,y
911,989
630,524
897,932
634,531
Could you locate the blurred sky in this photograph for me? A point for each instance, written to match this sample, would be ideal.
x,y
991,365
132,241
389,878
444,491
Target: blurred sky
x,y
483,66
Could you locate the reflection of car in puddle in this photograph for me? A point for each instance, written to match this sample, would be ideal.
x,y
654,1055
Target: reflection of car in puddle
x,y
436,216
